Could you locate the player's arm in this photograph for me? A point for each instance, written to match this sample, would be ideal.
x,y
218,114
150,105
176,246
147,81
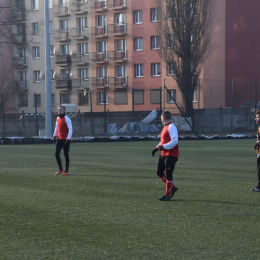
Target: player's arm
x,y
56,130
69,125
173,132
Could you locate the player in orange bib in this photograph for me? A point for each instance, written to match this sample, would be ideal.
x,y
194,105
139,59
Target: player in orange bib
x,y
63,132
257,147
169,155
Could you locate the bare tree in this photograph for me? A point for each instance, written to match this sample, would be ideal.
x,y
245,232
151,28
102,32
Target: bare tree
x,y
6,88
13,26
185,29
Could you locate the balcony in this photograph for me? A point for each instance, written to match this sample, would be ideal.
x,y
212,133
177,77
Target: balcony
x,y
20,86
117,29
20,63
79,33
81,83
117,4
63,84
19,39
118,56
99,82
99,57
19,15
62,36
118,82
63,60
79,7
99,31
80,59
98,6
60,11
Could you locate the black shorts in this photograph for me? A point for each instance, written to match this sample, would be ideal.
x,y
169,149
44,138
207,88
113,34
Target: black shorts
x,y
166,164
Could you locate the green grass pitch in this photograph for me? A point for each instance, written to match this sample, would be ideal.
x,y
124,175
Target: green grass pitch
x,y
108,207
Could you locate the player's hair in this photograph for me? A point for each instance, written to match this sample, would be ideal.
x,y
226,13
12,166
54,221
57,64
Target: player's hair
x,y
63,107
166,115
257,112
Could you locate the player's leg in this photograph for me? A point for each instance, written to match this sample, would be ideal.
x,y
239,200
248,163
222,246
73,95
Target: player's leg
x,y
258,175
160,169
58,148
170,165
66,149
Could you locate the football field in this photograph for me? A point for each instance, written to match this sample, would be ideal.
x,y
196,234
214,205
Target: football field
x,y
108,207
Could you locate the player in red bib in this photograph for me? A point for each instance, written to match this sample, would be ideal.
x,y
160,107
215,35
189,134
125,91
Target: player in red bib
x,y
63,132
169,155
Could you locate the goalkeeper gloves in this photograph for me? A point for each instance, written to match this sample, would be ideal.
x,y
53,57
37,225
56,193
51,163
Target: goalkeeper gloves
x,y
160,147
257,144
154,151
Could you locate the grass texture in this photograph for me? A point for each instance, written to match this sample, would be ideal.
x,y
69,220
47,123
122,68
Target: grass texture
x,y
108,207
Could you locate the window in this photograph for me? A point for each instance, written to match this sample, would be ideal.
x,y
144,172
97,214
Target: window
x,y
22,76
139,70
102,98
155,96
156,69
171,70
36,52
65,49
21,53
64,25
101,46
155,15
138,44
120,97
65,74
121,45
35,28
65,98
155,42
51,27
193,37
83,74
82,22
37,100
83,99
82,48
23,100
50,3
35,5
172,94
101,20
52,100
194,67
120,71
52,75
195,95
21,29
138,96
120,18
138,17
64,2
51,50
37,76
172,41
102,72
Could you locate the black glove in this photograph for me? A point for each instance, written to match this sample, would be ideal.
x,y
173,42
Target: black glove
x,y
67,142
54,138
154,151
257,144
160,147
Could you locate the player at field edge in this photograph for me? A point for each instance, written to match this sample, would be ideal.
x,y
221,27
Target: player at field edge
x,y
63,132
257,145
169,155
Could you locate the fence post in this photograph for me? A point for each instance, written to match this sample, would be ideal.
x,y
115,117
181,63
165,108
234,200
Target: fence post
x,y
232,105
36,118
199,110
255,101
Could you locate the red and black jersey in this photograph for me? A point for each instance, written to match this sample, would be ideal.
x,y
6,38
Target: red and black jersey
x,y
169,141
63,129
